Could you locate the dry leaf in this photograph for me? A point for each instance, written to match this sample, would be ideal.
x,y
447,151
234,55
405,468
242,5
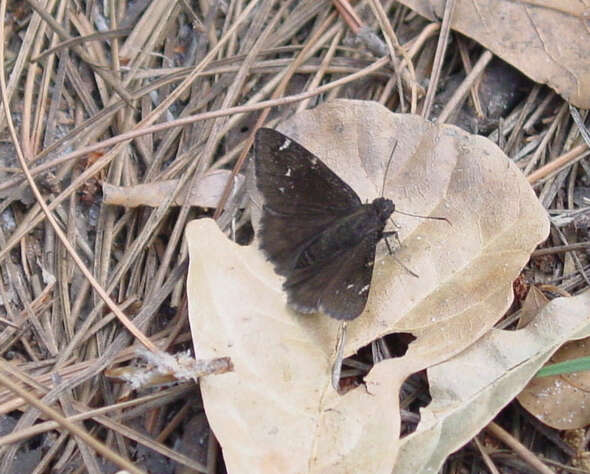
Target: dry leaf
x,y
207,192
534,301
277,411
470,389
164,368
561,401
548,42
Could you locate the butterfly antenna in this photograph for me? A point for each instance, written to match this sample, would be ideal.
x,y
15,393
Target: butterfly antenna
x,y
436,218
391,253
398,211
387,168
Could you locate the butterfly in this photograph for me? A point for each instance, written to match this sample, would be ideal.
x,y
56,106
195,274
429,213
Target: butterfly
x,y
314,228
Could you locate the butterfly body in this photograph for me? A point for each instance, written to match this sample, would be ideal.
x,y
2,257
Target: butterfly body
x,y
345,233
314,228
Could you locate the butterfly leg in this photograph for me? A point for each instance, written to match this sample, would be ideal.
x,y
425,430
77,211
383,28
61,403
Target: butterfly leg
x,y
394,234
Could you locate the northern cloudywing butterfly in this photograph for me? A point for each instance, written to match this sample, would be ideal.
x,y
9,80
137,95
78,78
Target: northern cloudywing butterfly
x,y
315,229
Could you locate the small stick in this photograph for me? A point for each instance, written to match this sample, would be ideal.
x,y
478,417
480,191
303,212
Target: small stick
x,y
439,55
518,447
337,365
561,249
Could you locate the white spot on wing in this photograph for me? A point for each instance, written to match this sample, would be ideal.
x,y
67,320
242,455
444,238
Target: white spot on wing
x,y
364,289
288,173
285,144
281,190
348,287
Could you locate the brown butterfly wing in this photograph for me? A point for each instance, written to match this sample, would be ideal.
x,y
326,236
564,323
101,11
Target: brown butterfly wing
x,y
337,286
302,196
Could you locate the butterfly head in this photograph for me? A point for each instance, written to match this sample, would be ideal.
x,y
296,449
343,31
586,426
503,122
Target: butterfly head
x,y
384,208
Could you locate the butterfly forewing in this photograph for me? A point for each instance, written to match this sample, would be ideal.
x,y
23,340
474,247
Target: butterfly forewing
x,y
295,181
301,196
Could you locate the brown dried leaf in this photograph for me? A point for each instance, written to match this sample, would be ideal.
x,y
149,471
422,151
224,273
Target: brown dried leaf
x,y
533,303
561,401
547,41
167,368
207,192
278,407
470,389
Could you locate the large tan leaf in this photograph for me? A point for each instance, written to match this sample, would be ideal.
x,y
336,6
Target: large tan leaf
x,y
547,41
277,411
470,389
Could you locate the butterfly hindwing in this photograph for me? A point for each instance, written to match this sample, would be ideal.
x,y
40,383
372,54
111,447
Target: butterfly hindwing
x,y
338,287
346,295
